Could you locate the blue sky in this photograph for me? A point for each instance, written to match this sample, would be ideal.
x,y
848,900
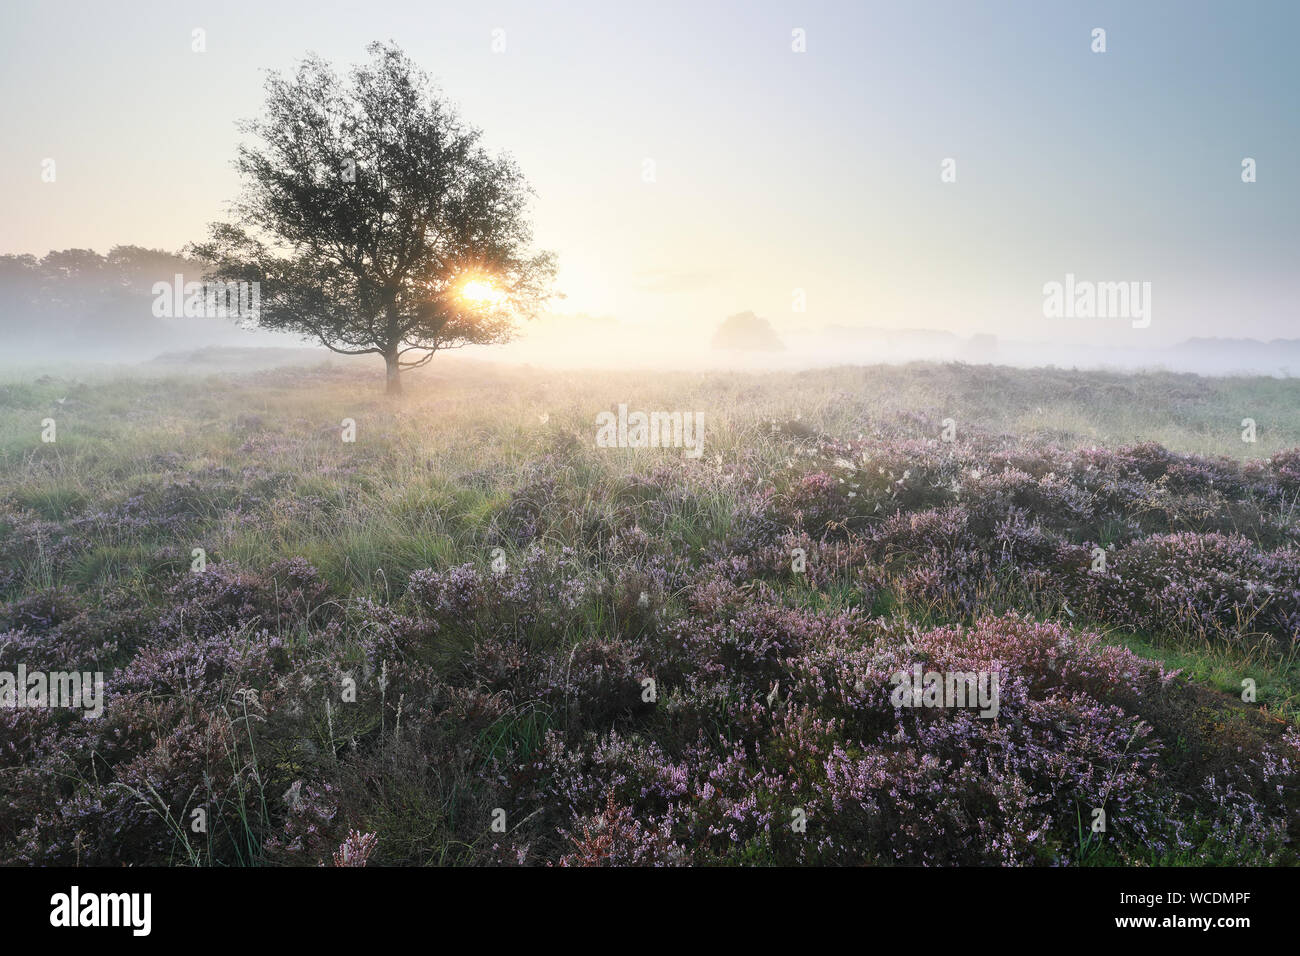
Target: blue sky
x,y
775,170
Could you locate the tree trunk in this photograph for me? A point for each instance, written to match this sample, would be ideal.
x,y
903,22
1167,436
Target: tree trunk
x,y
394,375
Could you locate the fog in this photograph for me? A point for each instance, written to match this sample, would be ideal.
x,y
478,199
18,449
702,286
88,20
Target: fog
x,y
76,306
569,341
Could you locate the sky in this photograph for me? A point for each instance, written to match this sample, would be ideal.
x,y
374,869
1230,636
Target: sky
x,y
780,177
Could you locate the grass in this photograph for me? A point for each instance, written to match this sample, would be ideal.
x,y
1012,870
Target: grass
x,y
1276,679
253,468
370,512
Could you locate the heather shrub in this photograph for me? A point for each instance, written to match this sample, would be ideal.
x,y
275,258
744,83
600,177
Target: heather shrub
x,y
1208,584
206,668
53,631
1285,466
670,661
539,591
289,594
877,784
816,503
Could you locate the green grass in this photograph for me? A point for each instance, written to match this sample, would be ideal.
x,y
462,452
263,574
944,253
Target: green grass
x,y
428,476
1276,678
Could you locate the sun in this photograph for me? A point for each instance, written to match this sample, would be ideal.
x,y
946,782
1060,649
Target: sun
x,y
481,292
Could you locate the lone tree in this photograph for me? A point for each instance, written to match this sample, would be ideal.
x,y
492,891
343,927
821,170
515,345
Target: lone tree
x,y
747,332
375,222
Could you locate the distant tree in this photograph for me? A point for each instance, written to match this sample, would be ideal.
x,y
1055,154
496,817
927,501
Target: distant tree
x,y
138,268
374,220
748,332
76,299
982,347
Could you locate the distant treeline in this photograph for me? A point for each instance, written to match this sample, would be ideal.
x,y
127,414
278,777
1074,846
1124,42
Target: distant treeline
x,y
76,303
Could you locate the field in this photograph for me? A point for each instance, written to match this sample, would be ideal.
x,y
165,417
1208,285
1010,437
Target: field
x,y
472,635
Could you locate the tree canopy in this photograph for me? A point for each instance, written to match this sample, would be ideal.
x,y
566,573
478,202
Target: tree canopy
x,y
374,219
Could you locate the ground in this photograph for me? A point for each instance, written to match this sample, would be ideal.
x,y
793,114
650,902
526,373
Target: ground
x,y
480,637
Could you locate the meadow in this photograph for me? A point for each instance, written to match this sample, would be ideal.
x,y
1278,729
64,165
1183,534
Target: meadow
x,y
469,635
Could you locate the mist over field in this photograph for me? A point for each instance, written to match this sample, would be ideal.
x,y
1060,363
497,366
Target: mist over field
x,y
856,435
77,307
